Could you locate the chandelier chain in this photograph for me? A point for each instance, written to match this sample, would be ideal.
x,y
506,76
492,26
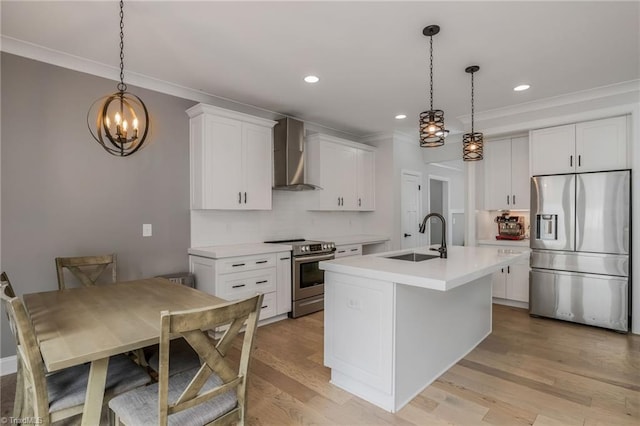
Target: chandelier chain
x,y
431,71
121,86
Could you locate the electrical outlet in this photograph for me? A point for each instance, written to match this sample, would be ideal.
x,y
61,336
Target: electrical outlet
x,y
146,230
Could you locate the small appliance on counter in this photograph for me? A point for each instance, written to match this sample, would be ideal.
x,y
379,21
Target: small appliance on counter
x,y
510,227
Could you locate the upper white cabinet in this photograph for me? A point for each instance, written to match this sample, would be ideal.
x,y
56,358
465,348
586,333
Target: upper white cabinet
x,y
231,159
584,147
506,174
344,170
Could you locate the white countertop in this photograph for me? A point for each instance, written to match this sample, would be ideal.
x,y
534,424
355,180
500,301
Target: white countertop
x,y
222,251
464,264
341,240
510,243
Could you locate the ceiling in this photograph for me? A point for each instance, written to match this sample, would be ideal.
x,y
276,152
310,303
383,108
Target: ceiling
x,y
371,57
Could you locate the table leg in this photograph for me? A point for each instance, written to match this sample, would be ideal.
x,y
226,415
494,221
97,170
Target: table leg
x,y
95,392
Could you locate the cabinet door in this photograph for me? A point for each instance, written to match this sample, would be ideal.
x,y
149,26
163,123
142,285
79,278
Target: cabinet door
x,y
602,145
520,173
223,177
517,287
257,167
497,174
552,150
365,179
204,271
498,284
338,164
283,286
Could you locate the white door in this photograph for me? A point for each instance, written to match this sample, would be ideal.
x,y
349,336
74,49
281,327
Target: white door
x,y
411,201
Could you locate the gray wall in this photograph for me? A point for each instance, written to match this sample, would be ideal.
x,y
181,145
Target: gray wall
x,y
63,195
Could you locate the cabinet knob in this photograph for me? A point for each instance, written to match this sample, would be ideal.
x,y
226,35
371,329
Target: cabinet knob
x,y
406,235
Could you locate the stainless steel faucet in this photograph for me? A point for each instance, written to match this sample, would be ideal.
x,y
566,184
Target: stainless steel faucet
x,y
443,245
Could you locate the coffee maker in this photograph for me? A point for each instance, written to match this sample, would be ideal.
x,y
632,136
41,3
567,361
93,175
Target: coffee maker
x,y
510,227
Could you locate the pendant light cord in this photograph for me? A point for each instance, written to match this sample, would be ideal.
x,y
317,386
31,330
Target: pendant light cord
x,y
431,70
472,102
121,86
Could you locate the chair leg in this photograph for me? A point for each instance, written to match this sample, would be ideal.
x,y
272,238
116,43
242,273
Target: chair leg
x,y
140,358
18,402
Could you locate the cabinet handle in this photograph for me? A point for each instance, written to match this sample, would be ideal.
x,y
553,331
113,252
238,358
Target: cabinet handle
x,y
342,200
238,286
265,306
341,251
514,199
237,264
508,269
239,197
359,202
261,261
579,160
571,161
245,198
406,235
507,200
502,271
338,200
285,258
354,249
262,282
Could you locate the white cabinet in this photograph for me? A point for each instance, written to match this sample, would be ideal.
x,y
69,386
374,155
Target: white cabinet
x,y
241,277
283,283
231,159
344,170
348,250
583,147
512,282
506,174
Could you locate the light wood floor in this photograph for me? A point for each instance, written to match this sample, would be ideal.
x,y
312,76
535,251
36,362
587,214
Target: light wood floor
x,y
528,371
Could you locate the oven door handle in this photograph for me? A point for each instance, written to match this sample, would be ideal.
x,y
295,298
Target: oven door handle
x,y
307,259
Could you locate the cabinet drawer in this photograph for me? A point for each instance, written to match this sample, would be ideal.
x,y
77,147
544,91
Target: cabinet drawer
x,y
350,250
246,263
246,284
268,306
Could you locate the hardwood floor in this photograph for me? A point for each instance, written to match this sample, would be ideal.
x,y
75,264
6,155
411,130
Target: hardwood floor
x,y
529,371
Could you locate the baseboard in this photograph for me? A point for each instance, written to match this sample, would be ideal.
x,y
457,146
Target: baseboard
x,y
8,365
513,303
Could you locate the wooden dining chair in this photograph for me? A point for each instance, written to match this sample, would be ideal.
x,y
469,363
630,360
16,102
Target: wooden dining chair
x,y
19,396
213,393
86,269
61,394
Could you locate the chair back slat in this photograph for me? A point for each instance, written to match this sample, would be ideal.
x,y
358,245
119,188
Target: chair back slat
x,y
192,325
86,269
29,353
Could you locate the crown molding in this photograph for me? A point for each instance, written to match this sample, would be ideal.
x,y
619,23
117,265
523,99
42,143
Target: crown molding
x,y
556,101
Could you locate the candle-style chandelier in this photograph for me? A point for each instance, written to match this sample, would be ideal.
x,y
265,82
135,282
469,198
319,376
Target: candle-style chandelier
x,y
472,143
122,120
432,131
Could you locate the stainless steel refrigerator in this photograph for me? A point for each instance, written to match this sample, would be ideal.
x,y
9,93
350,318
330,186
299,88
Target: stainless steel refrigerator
x,y
580,241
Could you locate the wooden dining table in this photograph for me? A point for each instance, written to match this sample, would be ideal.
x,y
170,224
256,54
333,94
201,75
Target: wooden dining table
x,y
90,324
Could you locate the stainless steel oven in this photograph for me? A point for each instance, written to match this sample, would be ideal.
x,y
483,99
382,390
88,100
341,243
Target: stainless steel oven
x,y
307,278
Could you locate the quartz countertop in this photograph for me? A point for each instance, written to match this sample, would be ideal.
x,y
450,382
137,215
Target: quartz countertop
x,y
510,243
233,250
341,240
464,264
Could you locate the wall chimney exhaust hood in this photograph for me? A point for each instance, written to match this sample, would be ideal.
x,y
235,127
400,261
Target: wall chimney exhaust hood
x,y
288,156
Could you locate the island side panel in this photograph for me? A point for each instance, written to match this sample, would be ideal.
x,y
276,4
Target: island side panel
x,y
359,324
434,330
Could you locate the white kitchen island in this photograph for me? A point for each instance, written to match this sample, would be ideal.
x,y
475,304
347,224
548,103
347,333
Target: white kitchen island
x,y
393,326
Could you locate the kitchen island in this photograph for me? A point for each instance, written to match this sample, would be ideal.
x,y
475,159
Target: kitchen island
x,y
394,326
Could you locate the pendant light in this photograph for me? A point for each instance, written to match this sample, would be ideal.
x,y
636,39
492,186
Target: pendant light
x,y
472,143
432,131
122,120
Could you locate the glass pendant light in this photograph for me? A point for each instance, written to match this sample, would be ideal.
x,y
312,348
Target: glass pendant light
x,y
432,131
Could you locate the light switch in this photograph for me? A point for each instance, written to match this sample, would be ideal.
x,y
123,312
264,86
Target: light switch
x,y
146,230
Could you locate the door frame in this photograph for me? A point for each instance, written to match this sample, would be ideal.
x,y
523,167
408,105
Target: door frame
x,y
446,202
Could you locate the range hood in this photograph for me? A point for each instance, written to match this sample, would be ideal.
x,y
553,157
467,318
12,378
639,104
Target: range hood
x,y
288,156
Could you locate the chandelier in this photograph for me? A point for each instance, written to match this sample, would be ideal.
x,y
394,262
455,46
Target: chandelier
x,y
122,119
432,131
472,143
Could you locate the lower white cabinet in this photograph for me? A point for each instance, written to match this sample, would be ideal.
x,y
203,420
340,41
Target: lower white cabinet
x,y
241,277
348,250
512,282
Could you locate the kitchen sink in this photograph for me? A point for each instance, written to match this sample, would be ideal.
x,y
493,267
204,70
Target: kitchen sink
x,y
413,257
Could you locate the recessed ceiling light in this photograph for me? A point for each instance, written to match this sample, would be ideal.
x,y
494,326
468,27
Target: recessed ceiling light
x,y
311,79
521,87
401,116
